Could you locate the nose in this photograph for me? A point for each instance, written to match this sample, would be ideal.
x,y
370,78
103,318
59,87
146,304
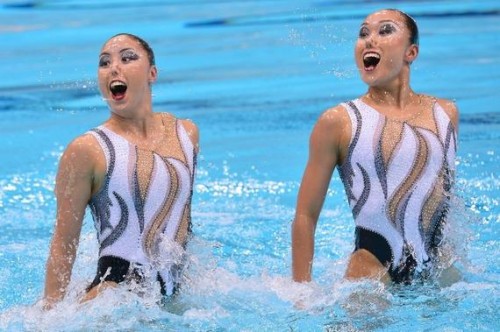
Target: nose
x,y
115,68
372,39
369,41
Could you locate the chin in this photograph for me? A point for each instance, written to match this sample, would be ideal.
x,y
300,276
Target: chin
x,y
369,79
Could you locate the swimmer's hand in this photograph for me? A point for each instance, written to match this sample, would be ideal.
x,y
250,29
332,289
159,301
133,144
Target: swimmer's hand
x,y
302,294
95,291
46,303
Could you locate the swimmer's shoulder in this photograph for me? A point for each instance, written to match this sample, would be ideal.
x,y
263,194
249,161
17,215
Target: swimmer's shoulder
x,y
84,145
83,160
189,126
450,108
335,117
85,150
192,131
334,126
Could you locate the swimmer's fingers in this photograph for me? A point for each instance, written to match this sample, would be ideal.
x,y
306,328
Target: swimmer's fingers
x,y
46,304
95,291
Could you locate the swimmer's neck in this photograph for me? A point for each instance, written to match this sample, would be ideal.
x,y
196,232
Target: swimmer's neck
x,y
398,98
138,125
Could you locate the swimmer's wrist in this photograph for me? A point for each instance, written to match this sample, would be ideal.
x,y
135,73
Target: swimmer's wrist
x,y
47,303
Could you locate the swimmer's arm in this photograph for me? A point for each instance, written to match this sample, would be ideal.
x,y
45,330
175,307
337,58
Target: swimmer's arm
x,y
73,190
324,146
193,133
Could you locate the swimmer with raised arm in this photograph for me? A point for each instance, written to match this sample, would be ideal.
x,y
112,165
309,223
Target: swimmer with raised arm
x,y
395,153
135,172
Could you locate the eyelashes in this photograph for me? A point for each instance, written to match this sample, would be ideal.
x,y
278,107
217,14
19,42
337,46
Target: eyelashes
x,y
129,55
104,61
125,57
363,32
384,30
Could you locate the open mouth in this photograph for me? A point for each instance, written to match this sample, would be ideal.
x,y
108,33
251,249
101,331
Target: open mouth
x,y
371,60
118,89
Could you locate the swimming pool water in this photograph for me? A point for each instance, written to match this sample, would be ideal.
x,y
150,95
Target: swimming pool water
x,y
254,76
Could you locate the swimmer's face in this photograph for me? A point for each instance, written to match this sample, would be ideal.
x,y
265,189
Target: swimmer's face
x,y
383,48
124,72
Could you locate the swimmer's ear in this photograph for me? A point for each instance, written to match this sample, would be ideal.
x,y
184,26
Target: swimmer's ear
x,y
411,53
153,74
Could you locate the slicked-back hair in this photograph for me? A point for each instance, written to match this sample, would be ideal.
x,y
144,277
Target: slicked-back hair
x,y
144,44
411,24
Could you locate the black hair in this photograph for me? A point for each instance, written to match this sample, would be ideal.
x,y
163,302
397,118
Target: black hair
x,y
411,24
144,44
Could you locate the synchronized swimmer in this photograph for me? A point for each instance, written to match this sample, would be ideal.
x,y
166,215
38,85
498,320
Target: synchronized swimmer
x,y
395,152
135,172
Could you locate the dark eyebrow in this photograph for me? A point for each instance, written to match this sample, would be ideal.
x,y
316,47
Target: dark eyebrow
x,y
127,49
380,22
390,21
121,51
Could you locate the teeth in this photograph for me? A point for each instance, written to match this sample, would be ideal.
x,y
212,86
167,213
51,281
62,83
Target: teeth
x,y
117,83
371,55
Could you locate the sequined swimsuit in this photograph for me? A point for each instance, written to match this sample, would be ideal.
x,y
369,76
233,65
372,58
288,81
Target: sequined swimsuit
x,y
143,206
397,177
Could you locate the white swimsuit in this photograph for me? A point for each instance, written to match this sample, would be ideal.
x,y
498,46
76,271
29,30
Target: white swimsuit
x,y
397,177
144,203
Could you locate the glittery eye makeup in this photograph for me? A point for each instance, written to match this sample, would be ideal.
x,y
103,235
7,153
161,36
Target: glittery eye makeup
x,y
129,55
126,55
387,29
104,60
384,29
363,32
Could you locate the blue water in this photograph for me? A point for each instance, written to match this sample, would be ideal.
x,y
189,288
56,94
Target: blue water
x,y
254,76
